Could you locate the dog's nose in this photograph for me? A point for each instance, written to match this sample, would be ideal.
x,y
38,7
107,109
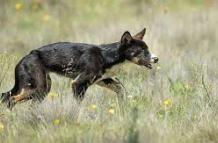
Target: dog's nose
x,y
155,59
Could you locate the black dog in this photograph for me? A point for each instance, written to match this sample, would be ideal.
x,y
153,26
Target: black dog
x,y
84,63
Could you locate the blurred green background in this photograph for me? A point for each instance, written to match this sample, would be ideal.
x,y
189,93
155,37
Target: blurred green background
x,y
46,21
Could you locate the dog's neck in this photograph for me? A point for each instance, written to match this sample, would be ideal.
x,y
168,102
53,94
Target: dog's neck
x,y
111,54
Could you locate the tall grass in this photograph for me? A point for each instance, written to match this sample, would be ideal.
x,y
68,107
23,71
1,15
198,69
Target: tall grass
x,y
176,101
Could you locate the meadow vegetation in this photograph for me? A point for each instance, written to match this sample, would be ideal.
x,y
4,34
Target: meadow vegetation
x,y
175,102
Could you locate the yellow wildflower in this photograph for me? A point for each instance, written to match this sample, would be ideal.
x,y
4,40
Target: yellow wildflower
x,y
93,106
18,6
46,17
56,122
129,96
52,94
187,86
158,67
168,102
1,127
111,111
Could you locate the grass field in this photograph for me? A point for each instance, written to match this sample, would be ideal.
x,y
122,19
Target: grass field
x,y
175,102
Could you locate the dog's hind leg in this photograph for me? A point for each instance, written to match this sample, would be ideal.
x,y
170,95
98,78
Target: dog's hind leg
x,y
43,87
22,96
37,93
31,81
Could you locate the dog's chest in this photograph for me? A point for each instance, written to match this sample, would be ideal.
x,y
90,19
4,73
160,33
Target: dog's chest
x,y
114,71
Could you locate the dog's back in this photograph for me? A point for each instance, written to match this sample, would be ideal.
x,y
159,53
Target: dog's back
x,y
64,56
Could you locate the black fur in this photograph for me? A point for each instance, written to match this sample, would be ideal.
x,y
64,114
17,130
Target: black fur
x,y
85,62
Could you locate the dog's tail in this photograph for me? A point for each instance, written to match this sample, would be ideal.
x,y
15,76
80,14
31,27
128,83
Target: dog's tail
x,y
4,97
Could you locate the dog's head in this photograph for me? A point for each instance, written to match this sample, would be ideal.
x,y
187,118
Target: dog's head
x,y
136,50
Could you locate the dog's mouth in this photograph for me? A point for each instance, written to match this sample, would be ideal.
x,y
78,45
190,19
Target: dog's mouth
x,y
145,62
149,66
153,60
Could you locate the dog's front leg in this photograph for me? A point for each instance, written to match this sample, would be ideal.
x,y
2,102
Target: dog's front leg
x,y
115,85
81,83
79,90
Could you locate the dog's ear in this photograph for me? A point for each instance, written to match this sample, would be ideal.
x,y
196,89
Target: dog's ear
x,y
126,38
140,35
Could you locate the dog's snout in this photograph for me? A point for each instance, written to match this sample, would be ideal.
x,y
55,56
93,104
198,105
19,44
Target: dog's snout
x,y
155,59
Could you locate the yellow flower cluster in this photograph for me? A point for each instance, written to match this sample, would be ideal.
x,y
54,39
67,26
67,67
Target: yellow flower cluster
x,y
111,111
168,102
93,107
52,94
18,6
56,122
46,17
187,87
1,127
158,68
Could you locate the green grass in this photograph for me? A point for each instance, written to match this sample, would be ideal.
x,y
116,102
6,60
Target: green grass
x,y
184,35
